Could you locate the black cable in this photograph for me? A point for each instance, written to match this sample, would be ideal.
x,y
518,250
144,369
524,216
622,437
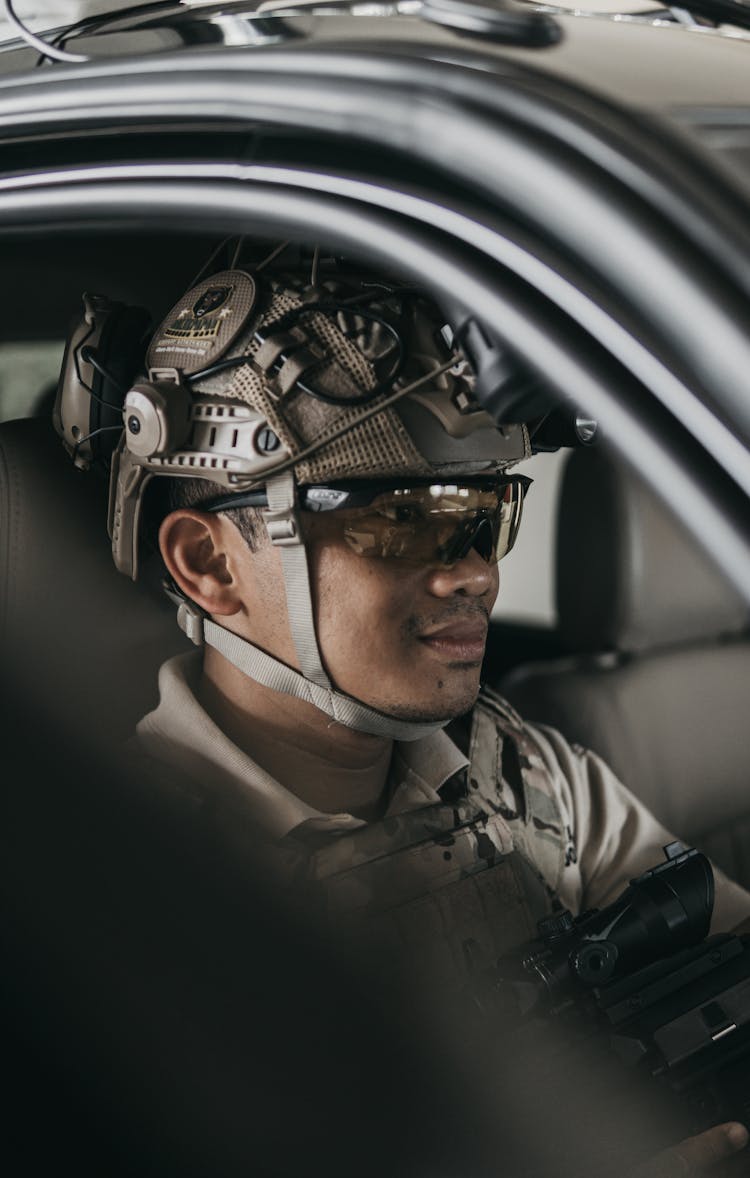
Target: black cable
x,y
103,429
533,431
291,317
35,42
88,355
378,288
222,244
219,366
356,302
89,25
288,320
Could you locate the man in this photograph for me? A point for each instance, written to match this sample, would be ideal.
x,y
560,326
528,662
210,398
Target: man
x,y
336,561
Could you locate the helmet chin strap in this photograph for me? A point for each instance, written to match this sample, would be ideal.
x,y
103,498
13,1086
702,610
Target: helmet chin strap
x,y
311,682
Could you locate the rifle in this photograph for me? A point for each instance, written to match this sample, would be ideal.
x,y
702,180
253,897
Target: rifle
x,y
671,1004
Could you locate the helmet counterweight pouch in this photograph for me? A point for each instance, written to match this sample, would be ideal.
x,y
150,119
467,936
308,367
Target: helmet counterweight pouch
x,y
88,407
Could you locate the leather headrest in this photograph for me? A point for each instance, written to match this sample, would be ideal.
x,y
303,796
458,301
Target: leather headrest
x,y
629,577
85,639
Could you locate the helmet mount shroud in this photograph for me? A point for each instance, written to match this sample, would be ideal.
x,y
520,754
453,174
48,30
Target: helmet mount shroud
x,y
280,384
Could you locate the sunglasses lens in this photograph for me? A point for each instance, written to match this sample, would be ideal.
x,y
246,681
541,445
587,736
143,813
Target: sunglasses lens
x,y
442,522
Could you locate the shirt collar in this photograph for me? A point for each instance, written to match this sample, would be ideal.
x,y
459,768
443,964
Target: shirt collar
x,y
418,770
181,732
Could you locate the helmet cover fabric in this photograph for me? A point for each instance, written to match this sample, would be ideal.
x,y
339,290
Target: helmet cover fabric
x,y
350,352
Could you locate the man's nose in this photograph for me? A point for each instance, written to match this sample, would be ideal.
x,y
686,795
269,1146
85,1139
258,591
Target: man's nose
x,y
471,576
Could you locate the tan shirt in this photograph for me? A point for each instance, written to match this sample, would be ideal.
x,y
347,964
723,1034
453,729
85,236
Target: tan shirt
x,y
610,835
181,733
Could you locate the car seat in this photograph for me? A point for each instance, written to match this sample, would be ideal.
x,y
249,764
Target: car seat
x,y
85,642
658,675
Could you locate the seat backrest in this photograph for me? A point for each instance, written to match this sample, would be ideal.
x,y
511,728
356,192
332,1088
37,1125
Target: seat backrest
x,y
83,639
658,676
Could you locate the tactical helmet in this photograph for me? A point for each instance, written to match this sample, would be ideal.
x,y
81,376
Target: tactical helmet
x,y
269,385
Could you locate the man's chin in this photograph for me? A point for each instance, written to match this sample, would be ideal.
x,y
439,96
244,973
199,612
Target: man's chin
x,y
436,711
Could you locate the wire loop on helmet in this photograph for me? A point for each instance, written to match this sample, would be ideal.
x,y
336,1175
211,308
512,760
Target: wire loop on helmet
x,y
291,318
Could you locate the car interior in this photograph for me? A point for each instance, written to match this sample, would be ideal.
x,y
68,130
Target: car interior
x,y
657,658
148,986
576,188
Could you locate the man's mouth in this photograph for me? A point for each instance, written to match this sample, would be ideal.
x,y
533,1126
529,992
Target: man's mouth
x,y
457,641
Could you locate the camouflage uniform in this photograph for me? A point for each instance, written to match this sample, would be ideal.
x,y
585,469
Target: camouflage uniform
x,y
461,867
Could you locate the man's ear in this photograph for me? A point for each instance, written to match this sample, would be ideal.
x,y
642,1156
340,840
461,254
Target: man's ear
x,y
197,549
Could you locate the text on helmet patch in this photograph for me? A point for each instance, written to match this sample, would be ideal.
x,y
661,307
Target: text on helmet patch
x,y
205,322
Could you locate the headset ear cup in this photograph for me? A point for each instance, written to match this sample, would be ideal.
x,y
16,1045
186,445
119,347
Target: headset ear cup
x,y
119,351
103,355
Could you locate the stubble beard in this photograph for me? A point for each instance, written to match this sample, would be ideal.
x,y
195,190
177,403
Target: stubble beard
x,y
439,715
459,701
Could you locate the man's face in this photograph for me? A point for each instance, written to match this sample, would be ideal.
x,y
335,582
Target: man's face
x,y
406,638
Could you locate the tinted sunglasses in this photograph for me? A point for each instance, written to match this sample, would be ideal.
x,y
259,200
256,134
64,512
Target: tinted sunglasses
x,y
407,519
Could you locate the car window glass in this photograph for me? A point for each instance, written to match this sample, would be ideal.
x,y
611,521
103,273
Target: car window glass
x,y
28,377
527,588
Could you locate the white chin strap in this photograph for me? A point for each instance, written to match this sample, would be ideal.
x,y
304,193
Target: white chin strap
x,y
311,682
